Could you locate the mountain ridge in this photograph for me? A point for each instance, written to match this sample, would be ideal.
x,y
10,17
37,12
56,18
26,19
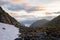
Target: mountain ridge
x,y
6,18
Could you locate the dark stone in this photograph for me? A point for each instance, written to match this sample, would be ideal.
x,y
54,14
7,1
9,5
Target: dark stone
x,y
18,39
4,28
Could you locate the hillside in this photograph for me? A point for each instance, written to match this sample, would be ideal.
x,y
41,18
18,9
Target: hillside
x,y
6,18
39,23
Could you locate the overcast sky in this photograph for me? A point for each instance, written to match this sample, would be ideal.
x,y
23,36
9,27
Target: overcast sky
x,y
28,11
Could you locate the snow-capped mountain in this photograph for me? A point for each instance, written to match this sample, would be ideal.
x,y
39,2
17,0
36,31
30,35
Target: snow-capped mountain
x,y
8,32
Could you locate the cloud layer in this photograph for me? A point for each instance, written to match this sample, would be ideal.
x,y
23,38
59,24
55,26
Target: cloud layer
x,y
30,5
28,18
28,11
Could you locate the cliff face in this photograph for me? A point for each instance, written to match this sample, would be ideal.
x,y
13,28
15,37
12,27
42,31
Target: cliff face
x,y
6,18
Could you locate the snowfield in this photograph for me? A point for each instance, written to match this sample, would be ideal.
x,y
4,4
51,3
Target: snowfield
x,y
8,32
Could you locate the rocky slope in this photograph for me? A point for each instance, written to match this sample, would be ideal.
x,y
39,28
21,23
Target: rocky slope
x,y
6,18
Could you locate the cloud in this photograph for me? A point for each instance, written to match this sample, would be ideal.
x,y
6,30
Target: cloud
x,y
30,2
13,7
20,7
30,5
40,8
16,1
53,7
2,2
23,15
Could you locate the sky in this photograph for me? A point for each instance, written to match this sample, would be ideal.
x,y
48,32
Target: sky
x,y
28,11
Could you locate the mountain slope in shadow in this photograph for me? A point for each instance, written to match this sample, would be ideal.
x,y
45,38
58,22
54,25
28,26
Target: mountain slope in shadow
x,y
39,23
6,18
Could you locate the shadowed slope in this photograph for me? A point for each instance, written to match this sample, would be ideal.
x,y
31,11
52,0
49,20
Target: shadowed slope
x,y
6,18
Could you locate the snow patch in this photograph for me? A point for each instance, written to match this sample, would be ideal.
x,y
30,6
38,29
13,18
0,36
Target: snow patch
x,y
8,32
